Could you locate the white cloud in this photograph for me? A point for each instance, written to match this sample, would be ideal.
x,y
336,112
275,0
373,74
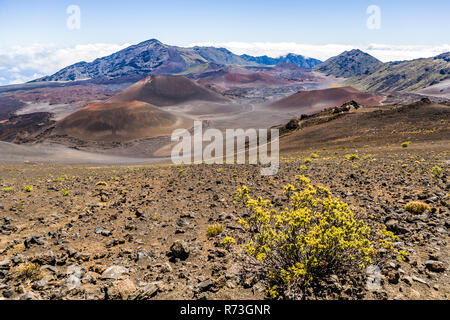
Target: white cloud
x,y
19,64
382,52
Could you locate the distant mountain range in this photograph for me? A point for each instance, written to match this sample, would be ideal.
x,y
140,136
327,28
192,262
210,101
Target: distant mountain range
x,y
154,57
296,59
360,69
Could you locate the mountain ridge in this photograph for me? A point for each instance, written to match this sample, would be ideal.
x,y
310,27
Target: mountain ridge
x,y
349,63
154,57
409,75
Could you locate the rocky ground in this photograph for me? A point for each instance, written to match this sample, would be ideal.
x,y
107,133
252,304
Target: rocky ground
x,y
140,232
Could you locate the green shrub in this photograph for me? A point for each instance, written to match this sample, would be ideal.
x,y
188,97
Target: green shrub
x,y
214,230
436,172
7,190
417,207
315,236
28,189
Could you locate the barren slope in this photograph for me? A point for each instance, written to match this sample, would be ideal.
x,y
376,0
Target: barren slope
x,y
119,122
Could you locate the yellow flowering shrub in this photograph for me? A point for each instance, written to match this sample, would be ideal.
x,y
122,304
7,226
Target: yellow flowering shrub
x,y
315,235
227,242
353,156
436,172
406,144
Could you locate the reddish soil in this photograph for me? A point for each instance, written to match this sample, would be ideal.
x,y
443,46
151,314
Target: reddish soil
x,y
315,100
166,90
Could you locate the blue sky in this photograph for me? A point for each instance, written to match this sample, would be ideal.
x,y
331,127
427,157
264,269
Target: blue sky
x,y
184,22
320,28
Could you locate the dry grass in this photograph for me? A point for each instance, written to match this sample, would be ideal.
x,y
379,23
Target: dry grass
x,y
417,207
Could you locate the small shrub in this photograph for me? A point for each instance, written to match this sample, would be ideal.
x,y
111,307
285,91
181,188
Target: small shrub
x,y
180,171
29,270
65,192
417,207
8,190
406,144
303,167
227,242
101,183
28,189
315,236
436,172
307,160
353,156
214,230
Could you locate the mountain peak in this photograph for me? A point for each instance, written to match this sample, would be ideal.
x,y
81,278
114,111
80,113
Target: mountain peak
x,y
153,40
355,51
349,63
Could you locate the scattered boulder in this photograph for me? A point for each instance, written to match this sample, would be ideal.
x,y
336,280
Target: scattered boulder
x,y
40,285
34,239
73,282
122,289
435,266
45,258
114,272
5,264
147,292
29,296
179,250
204,286
75,270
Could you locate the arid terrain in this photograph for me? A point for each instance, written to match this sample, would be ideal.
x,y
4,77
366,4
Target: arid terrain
x,y
108,232
91,206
